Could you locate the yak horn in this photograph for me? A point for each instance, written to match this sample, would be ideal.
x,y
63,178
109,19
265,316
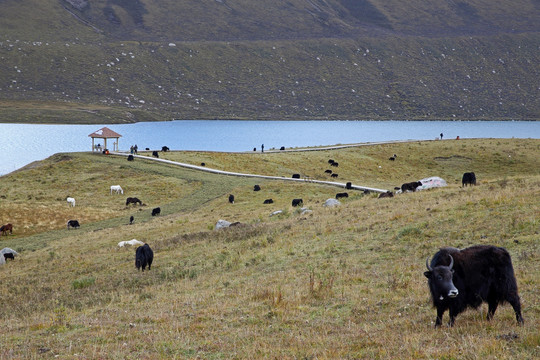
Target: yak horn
x,y
451,262
427,264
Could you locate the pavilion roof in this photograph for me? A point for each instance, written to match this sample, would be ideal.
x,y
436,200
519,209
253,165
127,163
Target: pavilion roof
x,y
104,132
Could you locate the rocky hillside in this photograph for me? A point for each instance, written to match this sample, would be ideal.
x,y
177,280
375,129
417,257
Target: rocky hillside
x,y
135,60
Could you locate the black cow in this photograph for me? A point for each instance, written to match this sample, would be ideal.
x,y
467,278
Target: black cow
x,y
147,149
336,164
327,171
131,219
155,154
133,200
144,257
256,188
73,224
156,211
130,158
165,149
411,186
334,175
468,178
297,202
330,161
231,199
296,176
342,195
348,185
203,164
268,201
9,256
459,279
282,148
387,194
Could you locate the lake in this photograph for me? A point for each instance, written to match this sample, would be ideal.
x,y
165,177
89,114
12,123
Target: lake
x,y
22,144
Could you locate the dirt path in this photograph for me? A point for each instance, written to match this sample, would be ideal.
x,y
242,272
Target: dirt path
x,y
221,172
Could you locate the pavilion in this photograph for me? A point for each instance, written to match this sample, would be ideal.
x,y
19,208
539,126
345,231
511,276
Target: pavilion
x,y
104,133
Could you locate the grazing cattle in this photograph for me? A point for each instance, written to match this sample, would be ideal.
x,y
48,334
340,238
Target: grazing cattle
x,y
256,188
164,149
327,171
73,224
330,161
5,228
296,176
468,178
297,202
156,211
387,194
203,164
366,192
282,148
147,149
9,256
144,257
231,199
336,164
155,154
268,201
459,279
348,185
391,158
117,189
342,195
334,175
70,201
130,157
133,200
410,186
131,219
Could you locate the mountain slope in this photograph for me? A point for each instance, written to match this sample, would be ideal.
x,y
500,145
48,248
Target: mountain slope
x,y
119,60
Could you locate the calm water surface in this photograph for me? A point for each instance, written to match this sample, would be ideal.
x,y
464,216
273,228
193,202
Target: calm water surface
x,y
23,143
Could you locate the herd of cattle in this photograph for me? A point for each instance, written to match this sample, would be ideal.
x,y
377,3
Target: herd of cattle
x,y
457,279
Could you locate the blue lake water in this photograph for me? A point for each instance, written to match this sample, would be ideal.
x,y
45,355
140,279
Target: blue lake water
x,y
24,143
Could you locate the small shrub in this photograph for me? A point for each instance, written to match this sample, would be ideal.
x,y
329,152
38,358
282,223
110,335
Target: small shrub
x,y
83,283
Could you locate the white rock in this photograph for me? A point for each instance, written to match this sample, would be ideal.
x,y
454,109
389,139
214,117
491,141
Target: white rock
x,y
331,202
222,224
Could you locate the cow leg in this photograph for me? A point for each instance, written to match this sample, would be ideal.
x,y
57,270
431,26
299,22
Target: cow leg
x,y
492,307
453,315
438,321
513,299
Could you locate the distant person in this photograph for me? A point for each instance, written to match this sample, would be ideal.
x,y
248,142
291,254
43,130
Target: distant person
x,y
131,149
262,148
441,135
135,148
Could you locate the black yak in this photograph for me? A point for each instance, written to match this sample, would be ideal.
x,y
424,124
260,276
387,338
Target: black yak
x,y
410,186
73,224
156,211
231,199
459,279
297,202
468,178
144,257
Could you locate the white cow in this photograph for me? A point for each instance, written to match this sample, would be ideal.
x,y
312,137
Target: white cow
x,y
117,189
71,201
130,242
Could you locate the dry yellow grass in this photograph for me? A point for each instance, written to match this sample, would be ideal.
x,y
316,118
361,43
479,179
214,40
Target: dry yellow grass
x,y
340,283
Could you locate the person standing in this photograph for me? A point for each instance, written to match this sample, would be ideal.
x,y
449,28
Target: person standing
x,y
262,148
441,135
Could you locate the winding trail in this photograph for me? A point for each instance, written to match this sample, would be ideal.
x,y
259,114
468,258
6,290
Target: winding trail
x,y
304,180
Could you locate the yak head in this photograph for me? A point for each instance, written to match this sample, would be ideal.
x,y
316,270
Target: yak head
x,y
440,280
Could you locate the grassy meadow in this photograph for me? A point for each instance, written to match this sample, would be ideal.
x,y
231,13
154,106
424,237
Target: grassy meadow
x,y
334,283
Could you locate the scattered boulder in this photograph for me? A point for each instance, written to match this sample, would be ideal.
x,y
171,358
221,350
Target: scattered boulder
x,y
222,224
276,212
331,203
